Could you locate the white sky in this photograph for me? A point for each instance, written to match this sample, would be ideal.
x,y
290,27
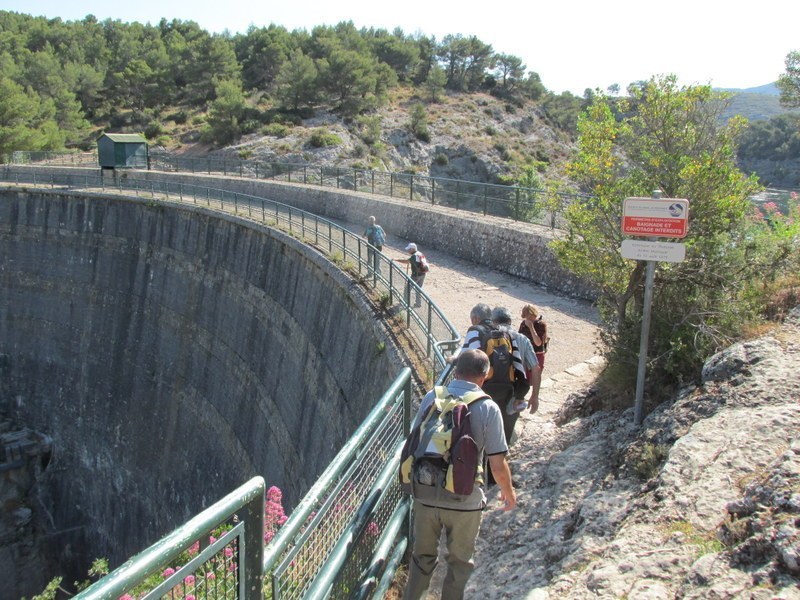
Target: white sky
x,y
572,44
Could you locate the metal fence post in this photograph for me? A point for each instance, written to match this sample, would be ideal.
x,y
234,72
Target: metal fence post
x,y
411,188
430,332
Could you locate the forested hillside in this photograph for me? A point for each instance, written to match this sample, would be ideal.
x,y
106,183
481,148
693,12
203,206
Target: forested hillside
x,y
64,82
368,98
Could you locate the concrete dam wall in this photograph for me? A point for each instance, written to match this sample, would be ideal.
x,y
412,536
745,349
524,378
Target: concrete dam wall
x,y
170,353
517,248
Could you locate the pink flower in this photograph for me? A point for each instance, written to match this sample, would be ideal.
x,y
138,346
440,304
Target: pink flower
x,y
189,580
228,552
211,539
211,575
372,529
194,548
189,597
274,494
793,195
126,597
167,572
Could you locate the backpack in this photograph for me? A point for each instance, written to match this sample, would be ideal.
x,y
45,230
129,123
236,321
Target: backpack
x,y
440,454
498,347
540,327
378,236
422,263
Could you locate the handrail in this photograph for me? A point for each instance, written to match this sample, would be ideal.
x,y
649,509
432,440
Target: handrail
x,y
249,497
519,203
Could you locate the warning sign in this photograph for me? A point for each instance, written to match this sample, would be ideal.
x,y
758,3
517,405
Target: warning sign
x,y
650,217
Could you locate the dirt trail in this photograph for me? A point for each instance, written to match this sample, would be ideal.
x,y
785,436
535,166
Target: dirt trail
x,y
456,285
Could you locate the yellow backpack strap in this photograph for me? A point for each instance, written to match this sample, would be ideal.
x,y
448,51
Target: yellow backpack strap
x,y
471,397
445,401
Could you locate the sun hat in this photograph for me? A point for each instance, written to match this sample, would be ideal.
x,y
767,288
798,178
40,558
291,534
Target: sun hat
x,y
411,248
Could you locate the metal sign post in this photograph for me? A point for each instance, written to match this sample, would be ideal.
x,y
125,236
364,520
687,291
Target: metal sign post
x,y
638,406
651,217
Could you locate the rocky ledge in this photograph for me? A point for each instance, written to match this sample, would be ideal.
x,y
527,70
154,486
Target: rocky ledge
x,y
702,501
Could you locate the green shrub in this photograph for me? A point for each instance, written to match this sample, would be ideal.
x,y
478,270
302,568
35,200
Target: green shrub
x,y
370,129
250,126
278,130
180,117
648,462
153,130
419,123
322,138
441,159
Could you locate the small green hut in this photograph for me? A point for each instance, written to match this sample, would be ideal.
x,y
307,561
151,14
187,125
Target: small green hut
x,y
122,151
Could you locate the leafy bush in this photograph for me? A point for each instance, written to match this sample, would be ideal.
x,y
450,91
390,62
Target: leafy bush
x,y
153,130
441,159
322,138
370,129
180,117
419,123
669,137
278,130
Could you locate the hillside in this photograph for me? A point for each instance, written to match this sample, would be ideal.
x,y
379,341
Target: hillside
x,y
470,136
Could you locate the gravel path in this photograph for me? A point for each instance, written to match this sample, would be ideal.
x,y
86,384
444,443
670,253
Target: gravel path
x,y
456,285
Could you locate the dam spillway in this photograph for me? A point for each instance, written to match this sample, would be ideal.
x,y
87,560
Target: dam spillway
x,y
169,353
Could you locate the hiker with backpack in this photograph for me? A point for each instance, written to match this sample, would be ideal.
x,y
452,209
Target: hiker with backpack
x,y
419,268
431,468
506,381
376,236
501,317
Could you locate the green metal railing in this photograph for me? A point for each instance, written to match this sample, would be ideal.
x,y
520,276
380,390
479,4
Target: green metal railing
x,y
347,536
235,557
519,203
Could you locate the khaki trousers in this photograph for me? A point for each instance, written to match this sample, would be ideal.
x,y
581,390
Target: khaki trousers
x,y
461,529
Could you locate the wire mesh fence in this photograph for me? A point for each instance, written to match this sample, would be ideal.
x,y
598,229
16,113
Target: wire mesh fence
x,y
217,554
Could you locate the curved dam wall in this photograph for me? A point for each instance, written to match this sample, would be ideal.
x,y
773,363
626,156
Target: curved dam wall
x,y
171,353
516,248
513,247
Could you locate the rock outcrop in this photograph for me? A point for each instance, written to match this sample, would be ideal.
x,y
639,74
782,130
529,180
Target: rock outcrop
x,y
702,501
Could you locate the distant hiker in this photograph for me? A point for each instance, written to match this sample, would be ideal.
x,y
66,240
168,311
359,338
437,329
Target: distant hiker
x,y
435,509
534,328
419,268
506,381
377,237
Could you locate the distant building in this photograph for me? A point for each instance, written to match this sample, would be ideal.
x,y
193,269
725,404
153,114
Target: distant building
x,y
122,151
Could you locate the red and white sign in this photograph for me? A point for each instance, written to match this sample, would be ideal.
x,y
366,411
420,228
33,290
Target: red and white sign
x,y
651,217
